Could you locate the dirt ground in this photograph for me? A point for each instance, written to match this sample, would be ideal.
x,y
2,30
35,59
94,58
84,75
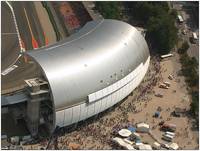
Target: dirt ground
x,y
96,133
186,137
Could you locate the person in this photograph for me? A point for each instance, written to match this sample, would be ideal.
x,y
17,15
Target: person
x,y
56,143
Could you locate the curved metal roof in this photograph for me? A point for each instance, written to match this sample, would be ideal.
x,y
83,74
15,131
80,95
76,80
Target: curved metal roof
x,y
100,54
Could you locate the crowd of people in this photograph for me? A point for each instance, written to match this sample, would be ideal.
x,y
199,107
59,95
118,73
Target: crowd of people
x,y
101,128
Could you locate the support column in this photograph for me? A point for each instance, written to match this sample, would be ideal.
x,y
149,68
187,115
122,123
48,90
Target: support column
x,y
33,116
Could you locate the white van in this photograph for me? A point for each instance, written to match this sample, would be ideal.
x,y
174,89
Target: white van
x,y
167,137
170,133
180,19
194,37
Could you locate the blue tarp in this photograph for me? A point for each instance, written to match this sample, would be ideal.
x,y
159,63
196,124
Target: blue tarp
x,y
132,129
157,114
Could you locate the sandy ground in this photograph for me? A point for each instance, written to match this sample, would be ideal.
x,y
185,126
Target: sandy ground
x,y
139,106
45,22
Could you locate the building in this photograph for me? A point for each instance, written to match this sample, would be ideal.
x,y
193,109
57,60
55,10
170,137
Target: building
x,y
85,74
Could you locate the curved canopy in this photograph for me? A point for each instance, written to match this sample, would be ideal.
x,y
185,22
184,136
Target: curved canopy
x,y
100,54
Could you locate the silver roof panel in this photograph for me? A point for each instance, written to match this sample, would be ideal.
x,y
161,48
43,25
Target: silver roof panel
x,y
100,54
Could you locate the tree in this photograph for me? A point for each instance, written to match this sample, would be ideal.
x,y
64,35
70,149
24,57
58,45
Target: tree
x,y
160,24
195,103
183,48
162,33
108,9
174,13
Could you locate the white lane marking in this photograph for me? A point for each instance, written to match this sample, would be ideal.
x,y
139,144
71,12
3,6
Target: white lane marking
x,y
10,66
16,26
8,70
19,39
28,22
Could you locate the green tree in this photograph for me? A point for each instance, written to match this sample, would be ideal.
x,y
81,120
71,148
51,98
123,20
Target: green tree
x,y
160,24
174,13
195,103
183,48
162,33
109,9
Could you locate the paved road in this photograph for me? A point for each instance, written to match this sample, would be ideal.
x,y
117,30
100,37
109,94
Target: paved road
x,y
21,9
15,79
189,25
9,41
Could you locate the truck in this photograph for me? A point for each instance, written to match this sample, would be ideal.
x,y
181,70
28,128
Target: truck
x,y
167,137
170,133
167,83
164,86
168,127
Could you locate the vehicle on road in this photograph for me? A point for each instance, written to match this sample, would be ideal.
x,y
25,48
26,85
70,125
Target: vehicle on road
x,y
180,19
194,37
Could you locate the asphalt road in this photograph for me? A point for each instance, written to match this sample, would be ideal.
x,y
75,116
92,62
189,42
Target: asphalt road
x,y
9,42
22,8
10,47
15,79
189,26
